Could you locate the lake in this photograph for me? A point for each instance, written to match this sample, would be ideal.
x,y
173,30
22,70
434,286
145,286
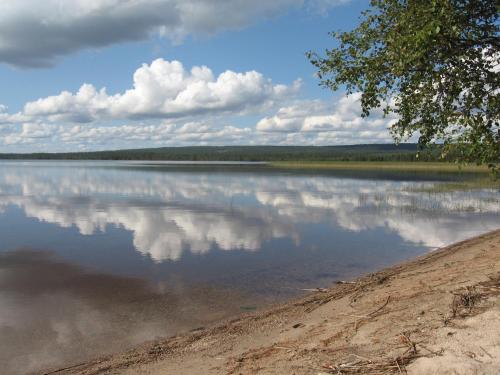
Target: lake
x,y
96,257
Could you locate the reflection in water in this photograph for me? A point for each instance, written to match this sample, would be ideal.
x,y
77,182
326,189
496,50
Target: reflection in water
x,y
53,312
130,247
169,213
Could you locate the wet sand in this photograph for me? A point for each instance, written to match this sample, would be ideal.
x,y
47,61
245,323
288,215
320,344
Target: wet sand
x,y
439,313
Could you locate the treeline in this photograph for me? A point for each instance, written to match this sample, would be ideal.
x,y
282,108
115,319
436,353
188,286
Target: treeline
x,y
373,152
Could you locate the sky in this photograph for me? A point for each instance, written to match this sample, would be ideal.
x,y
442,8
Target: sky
x,y
82,75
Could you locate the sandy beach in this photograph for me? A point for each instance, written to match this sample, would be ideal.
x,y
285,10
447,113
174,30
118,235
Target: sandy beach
x,y
437,314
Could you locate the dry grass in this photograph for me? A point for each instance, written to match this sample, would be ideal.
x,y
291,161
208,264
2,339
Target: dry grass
x,y
464,301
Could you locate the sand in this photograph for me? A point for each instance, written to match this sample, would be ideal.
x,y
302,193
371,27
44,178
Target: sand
x,y
437,314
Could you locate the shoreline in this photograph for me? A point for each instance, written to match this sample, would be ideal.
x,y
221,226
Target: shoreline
x,y
415,316
413,166
396,166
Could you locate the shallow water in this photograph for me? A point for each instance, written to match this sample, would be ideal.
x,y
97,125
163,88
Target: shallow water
x,y
98,256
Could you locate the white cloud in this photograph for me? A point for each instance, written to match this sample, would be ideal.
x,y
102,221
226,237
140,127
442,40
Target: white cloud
x,y
164,89
328,124
35,33
303,123
323,6
165,134
170,105
30,130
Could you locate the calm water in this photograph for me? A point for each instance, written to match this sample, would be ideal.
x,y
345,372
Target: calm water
x,y
96,257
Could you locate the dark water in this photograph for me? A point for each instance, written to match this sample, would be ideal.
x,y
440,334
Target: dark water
x,y
98,256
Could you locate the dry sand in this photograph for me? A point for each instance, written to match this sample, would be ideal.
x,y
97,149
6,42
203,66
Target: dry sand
x,y
438,314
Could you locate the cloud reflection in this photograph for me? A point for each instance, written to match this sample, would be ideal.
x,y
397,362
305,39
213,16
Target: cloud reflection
x,y
169,213
55,313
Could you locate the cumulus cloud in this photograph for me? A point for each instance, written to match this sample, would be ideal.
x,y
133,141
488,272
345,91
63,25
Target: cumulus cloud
x,y
50,137
169,105
164,89
328,123
302,123
35,33
164,134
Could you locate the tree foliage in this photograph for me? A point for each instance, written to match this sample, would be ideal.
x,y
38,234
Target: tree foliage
x,y
433,63
372,152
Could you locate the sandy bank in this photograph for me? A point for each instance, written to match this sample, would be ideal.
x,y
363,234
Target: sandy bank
x,y
439,313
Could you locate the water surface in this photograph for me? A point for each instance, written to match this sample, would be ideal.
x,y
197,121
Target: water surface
x,y
98,256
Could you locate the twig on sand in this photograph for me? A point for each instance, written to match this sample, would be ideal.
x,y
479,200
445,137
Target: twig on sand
x,y
354,315
412,346
322,290
380,308
431,351
382,366
399,368
284,348
63,369
372,314
484,350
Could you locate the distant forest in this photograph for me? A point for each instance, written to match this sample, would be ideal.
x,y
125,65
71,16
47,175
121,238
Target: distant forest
x,y
371,152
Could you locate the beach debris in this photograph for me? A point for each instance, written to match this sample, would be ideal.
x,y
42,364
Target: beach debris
x,y
381,367
464,301
372,314
321,290
358,364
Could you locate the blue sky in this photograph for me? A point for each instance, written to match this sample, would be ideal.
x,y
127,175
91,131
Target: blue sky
x,y
256,86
